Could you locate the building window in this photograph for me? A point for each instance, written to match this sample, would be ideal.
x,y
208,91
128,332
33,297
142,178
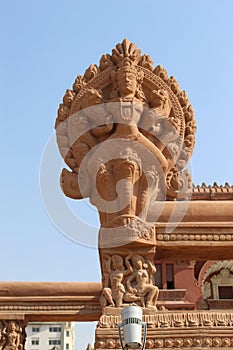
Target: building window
x,y
35,329
35,342
67,347
54,342
170,276
225,292
55,329
158,276
67,333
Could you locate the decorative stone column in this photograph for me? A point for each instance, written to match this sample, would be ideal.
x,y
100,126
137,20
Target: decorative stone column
x,y
127,132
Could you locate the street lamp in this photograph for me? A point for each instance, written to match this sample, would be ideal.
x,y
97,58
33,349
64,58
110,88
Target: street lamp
x,y
131,317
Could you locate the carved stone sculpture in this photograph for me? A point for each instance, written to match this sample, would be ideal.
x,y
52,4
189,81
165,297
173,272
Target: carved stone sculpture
x,y
128,280
12,336
125,104
127,132
140,283
113,287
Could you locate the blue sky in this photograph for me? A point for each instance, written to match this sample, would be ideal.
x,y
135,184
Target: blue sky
x,y
45,45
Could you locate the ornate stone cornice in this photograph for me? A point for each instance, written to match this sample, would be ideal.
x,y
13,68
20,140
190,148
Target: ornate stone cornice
x,y
185,330
177,319
209,240
212,192
52,311
54,300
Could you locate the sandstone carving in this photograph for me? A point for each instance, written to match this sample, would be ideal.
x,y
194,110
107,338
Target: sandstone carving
x,y
224,278
113,276
177,330
125,104
140,283
126,131
214,192
128,280
12,336
218,275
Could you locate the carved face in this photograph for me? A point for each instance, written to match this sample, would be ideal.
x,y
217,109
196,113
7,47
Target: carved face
x,y
127,82
117,262
137,262
12,327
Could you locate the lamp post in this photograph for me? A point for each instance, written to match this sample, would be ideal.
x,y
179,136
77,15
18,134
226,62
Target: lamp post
x,y
132,324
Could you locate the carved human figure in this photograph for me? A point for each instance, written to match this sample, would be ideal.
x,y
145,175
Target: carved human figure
x,y
127,82
129,101
129,189
92,125
155,123
128,98
127,91
116,123
11,337
139,283
113,277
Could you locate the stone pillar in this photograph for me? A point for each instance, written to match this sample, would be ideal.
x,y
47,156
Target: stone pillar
x,y
127,132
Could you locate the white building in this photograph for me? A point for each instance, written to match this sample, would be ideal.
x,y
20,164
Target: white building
x,y
45,336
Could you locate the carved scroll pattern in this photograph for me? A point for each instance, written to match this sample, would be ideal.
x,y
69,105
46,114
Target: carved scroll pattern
x,y
175,319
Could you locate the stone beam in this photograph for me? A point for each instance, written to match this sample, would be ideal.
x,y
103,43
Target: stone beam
x,y
196,211
50,301
204,232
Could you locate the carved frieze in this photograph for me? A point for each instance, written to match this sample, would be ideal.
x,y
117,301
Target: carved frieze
x,y
185,342
128,280
167,330
194,236
176,319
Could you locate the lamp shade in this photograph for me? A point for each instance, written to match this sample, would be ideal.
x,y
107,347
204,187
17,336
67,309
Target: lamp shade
x,y
131,317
